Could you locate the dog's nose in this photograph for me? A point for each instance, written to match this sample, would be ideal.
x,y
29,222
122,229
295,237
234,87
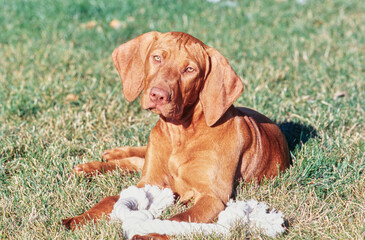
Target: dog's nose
x,y
159,96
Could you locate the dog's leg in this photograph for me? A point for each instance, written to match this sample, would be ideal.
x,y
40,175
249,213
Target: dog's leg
x,y
205,210
129,159
124,152
104,207
130,164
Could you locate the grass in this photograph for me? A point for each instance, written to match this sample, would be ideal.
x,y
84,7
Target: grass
x,y
294,57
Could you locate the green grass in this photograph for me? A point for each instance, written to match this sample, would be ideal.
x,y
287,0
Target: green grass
x,y
293,58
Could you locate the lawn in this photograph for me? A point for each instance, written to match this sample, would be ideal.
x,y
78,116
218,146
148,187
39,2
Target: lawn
x,y
61,104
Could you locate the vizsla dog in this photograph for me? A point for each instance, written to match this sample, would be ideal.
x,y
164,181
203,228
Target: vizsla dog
x,y
201,142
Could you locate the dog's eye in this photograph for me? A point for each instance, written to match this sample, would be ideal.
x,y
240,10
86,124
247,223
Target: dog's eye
x,y
189,69
157,58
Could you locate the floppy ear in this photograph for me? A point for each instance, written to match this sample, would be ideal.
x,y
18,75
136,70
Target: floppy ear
x,y
129,59
221,89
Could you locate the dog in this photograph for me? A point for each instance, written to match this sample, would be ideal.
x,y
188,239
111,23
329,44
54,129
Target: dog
x,y
201,143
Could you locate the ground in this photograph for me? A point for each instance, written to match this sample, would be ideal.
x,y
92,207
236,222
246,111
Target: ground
x,y
61,103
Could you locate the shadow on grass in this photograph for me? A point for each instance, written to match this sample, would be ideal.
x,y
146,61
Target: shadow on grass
x,y
296,134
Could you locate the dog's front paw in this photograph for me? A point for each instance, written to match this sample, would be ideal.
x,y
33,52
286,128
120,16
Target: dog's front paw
x,y
153,236
88,169
115,154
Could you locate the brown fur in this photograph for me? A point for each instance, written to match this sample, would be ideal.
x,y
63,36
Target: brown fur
x,y
201,142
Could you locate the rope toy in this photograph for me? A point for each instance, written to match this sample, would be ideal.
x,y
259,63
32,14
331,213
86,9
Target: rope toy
x,y
139,208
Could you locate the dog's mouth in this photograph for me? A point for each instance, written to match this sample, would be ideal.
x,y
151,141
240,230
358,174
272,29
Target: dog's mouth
x,y
158,109
169,112
154,110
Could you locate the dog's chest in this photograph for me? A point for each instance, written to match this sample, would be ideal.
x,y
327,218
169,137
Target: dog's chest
x,y
178,163
188,157
178,158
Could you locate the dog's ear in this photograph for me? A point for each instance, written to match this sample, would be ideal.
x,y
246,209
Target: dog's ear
x,y
221,89
129,59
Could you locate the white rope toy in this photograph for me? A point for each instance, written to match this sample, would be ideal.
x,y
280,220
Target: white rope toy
x,y
138,209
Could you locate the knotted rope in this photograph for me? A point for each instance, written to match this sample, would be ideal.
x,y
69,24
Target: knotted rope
x,y
138,209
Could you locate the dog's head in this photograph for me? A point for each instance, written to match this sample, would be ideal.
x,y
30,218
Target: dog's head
x,y
175,71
